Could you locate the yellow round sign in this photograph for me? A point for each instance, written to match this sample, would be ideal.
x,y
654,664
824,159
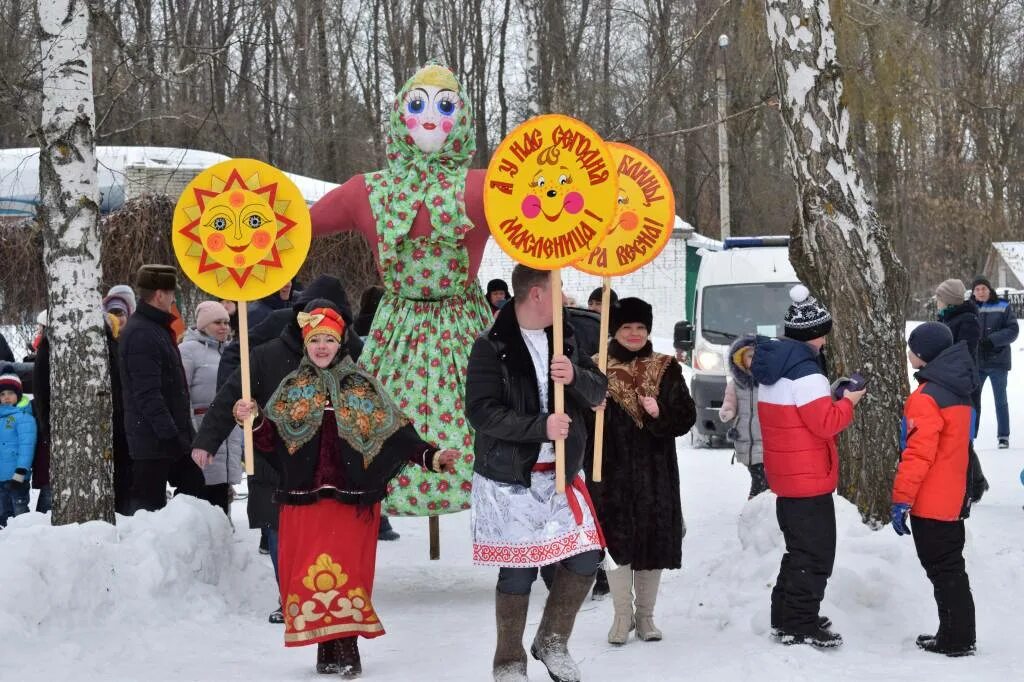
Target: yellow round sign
x,y
644,222
241,230
549,192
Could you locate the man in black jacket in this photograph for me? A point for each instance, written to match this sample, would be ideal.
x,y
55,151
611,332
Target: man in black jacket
x,y
520,523
998,331
157,412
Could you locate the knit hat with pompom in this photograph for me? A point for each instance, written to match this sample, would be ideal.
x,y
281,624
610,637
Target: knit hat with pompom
x,y
806,319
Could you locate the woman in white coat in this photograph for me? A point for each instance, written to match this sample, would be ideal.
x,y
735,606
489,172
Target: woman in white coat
x,y
200,354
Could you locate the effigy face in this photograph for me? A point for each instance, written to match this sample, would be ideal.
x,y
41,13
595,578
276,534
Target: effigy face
x,y
429,112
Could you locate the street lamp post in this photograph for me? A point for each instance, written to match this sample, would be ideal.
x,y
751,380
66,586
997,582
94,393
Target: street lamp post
x,y
723,142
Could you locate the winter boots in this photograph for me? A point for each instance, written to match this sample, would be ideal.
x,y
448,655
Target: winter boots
x,y
646,585
327,657
509,655
550,646
339,657
601,588
931,644
623,581
620,583
349,665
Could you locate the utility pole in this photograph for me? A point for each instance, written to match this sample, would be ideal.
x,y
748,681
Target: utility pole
x,y
723,142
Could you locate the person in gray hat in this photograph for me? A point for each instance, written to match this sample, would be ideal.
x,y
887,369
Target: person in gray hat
x,y
157,411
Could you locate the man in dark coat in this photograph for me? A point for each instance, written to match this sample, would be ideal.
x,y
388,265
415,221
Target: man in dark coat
x,y
157,412
998,331
519,522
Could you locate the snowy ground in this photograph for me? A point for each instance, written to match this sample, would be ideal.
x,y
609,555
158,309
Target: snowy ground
x,y
178,596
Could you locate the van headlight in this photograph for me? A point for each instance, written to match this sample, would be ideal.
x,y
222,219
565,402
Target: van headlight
x,y
708,360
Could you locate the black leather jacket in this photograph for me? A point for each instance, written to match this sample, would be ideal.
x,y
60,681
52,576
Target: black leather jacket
x,y
503,402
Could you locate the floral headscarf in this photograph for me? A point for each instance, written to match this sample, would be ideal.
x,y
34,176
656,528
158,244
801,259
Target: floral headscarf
x,y
414,178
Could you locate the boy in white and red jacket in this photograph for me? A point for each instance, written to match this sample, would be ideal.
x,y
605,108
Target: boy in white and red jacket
x,y
799,424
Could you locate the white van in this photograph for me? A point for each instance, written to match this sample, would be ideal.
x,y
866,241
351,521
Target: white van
x,y
742,289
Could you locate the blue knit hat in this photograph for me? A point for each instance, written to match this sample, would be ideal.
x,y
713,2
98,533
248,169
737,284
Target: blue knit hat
x,y
930,339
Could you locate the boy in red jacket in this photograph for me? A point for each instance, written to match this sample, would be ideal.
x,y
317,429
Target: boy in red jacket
x,y
799,424
931,482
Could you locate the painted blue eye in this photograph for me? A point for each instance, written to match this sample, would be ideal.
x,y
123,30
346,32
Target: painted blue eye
x,y
446,107
254,221
220,223
416,105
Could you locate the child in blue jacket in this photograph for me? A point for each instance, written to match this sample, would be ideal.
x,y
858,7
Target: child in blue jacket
x,y
17,445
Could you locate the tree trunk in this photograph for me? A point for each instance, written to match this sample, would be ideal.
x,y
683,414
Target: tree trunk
x,y
80,418
840,249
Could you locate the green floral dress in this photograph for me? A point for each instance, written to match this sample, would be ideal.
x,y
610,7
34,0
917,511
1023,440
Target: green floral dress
x,y
432,312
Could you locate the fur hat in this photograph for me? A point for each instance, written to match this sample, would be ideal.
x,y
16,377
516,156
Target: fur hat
x,y
950,292
930,339
123,294
157,277
806,319
208,312
11,382
631,310
497,285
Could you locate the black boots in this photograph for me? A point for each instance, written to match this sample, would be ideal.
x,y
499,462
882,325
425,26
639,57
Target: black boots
x,y
339,657
509,655
931,644
550,646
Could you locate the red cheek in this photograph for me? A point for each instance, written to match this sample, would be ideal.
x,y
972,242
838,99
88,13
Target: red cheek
x,y
628,220
411,122
261,239
215,242
531,206
447,126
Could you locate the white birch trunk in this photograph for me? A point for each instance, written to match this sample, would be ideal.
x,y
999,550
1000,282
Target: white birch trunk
x,y
80,406
840,249
531,61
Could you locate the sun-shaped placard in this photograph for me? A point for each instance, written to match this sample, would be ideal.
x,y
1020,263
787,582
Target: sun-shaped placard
x,y
241,230
644,221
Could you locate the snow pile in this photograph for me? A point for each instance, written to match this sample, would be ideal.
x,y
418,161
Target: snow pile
x,y
139,572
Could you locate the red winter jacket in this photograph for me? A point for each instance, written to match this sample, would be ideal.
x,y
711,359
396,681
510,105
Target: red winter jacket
x,y
932,475
799,420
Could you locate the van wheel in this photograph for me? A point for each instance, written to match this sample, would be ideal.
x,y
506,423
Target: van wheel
x,y
700,441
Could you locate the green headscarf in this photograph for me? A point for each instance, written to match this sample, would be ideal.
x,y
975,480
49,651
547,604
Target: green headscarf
x,y
414,178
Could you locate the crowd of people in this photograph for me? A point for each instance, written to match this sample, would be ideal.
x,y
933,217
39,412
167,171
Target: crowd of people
x,y
330,440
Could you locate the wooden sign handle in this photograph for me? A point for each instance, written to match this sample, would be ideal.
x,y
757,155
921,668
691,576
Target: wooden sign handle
x,y
243,343
558,339
602,364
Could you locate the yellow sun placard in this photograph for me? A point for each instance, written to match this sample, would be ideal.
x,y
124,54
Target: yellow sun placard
x,y
241,230
644,222
549,192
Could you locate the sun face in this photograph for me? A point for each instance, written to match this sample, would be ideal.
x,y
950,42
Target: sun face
x,y
241,230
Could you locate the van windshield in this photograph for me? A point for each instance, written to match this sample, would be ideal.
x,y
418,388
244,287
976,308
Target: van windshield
x,y
731,310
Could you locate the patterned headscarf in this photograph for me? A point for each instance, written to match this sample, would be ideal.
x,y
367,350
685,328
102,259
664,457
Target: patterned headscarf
x,y
414,178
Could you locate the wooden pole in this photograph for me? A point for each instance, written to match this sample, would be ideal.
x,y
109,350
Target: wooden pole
x,y
435,538
243,343
559,347
602,364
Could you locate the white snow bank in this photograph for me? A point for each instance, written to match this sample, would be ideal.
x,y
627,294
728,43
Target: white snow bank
x,y
139,572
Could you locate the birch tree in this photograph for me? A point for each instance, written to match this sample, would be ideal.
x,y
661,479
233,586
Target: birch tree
x,y
839,247
80,416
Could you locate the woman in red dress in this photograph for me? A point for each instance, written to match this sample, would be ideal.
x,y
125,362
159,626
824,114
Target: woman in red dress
x,y
337,440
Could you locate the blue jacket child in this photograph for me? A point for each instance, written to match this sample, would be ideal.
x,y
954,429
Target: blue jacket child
x,y
17,446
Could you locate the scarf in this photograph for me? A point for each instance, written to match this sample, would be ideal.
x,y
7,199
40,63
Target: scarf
x,y
632,374
364,415
414,178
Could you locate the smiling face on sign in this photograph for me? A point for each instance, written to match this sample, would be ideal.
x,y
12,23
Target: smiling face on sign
x,y
429,114
237,228
549,191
